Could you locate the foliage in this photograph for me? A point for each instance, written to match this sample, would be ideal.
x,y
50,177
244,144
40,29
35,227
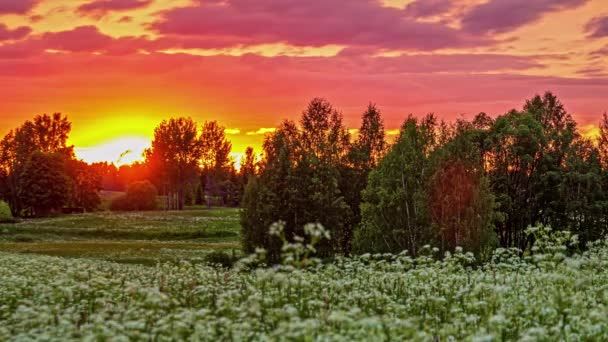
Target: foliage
x,y
460,200
140,196
394,210
546,296
362,158
221,258
45,133
5,213
86,184
44,184
174,157
299,181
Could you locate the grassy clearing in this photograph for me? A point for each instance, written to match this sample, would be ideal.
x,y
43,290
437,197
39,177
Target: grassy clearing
x,y
138,252
193,224
138,237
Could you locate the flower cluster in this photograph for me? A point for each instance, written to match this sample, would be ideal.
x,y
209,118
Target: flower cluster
x,y
516,296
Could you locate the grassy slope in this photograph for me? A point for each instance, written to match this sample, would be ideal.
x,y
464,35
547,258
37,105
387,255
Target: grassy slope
x,y
141,237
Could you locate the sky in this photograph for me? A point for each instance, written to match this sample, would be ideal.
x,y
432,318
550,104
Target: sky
x,y
117,68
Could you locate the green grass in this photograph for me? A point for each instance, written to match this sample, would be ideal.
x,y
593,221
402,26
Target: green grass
x,y
133,237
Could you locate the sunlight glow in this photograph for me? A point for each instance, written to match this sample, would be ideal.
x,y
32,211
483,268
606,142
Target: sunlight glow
x,y
121,151
591,132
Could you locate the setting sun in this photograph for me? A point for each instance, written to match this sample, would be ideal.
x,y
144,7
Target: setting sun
x,y
120,151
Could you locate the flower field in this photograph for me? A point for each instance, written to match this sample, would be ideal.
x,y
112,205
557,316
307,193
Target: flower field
x,y
544,296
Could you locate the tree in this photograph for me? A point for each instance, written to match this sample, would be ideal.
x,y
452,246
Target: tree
x,y
248,167
86,184
44,184
271,196
602,142
215,148
215,152
362,158
175,155
394,211
299,181
461,203
525,155
140,196
581,205
46,133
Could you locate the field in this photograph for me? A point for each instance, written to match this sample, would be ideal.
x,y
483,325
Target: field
x,y
141,277
145,237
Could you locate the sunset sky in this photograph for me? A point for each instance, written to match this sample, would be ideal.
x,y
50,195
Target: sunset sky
x,y
116,68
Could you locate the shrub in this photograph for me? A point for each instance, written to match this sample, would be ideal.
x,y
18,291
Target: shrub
x,y
5,213
140,196
221,258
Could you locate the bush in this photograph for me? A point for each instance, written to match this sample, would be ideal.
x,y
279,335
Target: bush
x,y
221,258
139,196
5,213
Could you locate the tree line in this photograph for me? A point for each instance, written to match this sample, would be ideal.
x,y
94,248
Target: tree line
x,y
474,183
40,174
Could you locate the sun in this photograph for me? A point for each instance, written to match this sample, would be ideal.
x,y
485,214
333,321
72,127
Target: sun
x,y
119,151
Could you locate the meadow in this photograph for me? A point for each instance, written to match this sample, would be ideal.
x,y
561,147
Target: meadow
x,y
129,237
542,296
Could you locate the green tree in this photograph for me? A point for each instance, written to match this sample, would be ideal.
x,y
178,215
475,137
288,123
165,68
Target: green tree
x,y
394,212
525,153
86,184
299,181
140,196
44,184
46,133
461,203
362,158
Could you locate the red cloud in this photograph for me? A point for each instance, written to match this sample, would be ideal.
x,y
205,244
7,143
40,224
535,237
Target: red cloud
x,y
311,23
83,38
17,6
18,33
499,16
99,8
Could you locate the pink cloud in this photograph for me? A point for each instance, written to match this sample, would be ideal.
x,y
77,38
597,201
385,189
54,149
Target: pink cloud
x,y
499,16
17,33
83,38
99,8
598,27
311,23
428,8
17,6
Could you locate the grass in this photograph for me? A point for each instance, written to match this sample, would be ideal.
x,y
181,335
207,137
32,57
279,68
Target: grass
x,y
134,237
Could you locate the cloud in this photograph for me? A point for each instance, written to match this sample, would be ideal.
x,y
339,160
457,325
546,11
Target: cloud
x,y
597,27
232,131
262,131
602,52
17,33
83,38
17,6
100,8
428,8
311,23
500,16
